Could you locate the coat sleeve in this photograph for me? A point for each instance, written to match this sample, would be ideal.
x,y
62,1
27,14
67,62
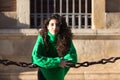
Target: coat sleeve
x,y
42,61
71,54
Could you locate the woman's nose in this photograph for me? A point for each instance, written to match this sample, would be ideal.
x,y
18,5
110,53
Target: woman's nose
x,y
55,26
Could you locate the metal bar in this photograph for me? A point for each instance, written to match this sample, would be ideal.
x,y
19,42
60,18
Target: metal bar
x,y
86,18
35,14
60,7
73,16
67,9
48,8
79,19
69,13
41,14
54,6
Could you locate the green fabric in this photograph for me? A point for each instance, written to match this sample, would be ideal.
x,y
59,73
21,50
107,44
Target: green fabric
x,y
49,62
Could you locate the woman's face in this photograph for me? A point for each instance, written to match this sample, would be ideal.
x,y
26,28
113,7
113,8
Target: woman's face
x,y
53,26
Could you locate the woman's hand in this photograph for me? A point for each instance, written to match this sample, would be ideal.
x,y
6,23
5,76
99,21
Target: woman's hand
x,y
65,63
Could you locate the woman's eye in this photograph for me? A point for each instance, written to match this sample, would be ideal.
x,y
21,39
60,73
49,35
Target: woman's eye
x,y
57,24
52,24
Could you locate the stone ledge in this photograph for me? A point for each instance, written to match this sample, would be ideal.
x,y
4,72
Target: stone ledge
x,y
96,34
72,76
18,32
77,33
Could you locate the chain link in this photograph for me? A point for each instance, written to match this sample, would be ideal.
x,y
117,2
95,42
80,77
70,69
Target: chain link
x,y
102,61
21,64
77,65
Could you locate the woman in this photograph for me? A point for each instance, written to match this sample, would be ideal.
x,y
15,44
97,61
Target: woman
x,y
54,50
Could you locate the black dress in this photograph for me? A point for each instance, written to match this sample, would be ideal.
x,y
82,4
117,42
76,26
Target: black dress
x,y
40,75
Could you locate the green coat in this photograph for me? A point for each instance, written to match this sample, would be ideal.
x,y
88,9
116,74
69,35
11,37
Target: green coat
x,y
49,62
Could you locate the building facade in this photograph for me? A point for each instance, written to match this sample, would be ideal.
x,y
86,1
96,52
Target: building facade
x,y
95,26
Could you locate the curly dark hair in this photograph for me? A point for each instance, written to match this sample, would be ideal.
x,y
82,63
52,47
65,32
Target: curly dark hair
x,y
64,34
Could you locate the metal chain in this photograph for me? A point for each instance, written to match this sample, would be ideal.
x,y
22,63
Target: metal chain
x,y
102,61
77,65
21,64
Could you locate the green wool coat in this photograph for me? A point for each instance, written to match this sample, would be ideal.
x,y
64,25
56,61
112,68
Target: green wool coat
x,y
49,61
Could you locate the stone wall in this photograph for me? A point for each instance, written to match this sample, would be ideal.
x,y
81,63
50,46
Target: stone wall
x,y
8,20
112,14
16,45
94,45
91,45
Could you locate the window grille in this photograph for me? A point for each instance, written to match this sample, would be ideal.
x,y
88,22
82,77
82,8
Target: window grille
x,y
76,12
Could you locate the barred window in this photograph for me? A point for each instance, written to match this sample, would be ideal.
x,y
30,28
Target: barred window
x,y
76,12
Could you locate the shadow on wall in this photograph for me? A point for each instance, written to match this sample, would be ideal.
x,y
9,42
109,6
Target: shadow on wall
x,y
8,20
112,6
15,47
